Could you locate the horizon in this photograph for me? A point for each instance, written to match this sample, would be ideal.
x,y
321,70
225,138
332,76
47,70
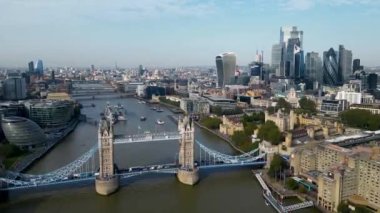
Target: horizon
x,y
178,33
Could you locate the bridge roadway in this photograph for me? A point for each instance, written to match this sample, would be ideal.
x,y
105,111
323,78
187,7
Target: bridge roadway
x,y
146,137
123,174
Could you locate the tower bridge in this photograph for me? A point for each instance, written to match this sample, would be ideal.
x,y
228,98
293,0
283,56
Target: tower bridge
x,y
106,175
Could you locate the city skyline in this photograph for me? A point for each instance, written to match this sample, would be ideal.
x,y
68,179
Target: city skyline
x,y
178,33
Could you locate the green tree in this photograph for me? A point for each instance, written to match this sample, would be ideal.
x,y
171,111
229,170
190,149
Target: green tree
x,y
343,207
283,104
291,184
307,106
302,189
10,150
249,128
270,132
211,123
361,209
276,165
240,138
359,118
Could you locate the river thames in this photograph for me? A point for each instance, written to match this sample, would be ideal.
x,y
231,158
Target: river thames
x,y
223,190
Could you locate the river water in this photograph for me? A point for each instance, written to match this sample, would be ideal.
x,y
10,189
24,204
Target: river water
x,y
232,190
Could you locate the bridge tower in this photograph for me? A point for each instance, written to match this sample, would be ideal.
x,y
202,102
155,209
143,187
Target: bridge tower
x,y
106,182
187,173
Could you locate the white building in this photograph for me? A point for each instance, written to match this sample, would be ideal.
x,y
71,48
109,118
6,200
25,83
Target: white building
x,y
351,97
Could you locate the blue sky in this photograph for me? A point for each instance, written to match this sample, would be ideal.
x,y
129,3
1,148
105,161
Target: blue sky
x,y
178,32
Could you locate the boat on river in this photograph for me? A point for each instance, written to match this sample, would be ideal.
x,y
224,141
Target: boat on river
x,y
160,122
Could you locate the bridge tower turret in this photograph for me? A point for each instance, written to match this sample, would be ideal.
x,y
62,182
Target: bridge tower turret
x,y
187,173
106,182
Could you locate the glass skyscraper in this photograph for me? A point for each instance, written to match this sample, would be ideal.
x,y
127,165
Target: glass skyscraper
x,y
39,67
277,58
225,67
345,64
313,67
283,54
330,68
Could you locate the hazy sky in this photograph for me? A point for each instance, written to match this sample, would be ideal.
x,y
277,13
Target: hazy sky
x,y
178,32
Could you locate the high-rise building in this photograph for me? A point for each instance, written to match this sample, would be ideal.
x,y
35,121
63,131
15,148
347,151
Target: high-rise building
x,y
345,64
39,67
289,56
372,82
287,33
225,66
356,65
31,67
141,70
299,65
283,55
277,58
14,86
330,68
313,67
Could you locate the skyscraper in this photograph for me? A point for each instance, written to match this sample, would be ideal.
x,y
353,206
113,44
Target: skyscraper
x,y
299,65
277,58
225,66
313,67
283,55
372,81
289,56
330,68
39,67
31,67
345,64
287,33
14,87
356,65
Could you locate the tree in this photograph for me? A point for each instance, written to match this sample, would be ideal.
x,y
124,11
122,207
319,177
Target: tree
x,y
361,209
291,184
276,165
239,138
307,106
343,207
211,123
283,104
270,132
302,189
249,128
359,118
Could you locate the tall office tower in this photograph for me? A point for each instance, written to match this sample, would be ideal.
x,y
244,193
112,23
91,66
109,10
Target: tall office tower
x,y
225,66
287,33
14,87
39,67
299,65
141,70
313,67
345,64
92,68
356,65
256,67
330,68
283,55
372,81
31,67
289,56
277,58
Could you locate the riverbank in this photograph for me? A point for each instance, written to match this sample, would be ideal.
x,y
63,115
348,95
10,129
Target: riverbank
x,y
282,200
225,138
28,160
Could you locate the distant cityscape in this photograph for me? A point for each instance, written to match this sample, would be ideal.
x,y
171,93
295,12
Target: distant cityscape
x,y
315,116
